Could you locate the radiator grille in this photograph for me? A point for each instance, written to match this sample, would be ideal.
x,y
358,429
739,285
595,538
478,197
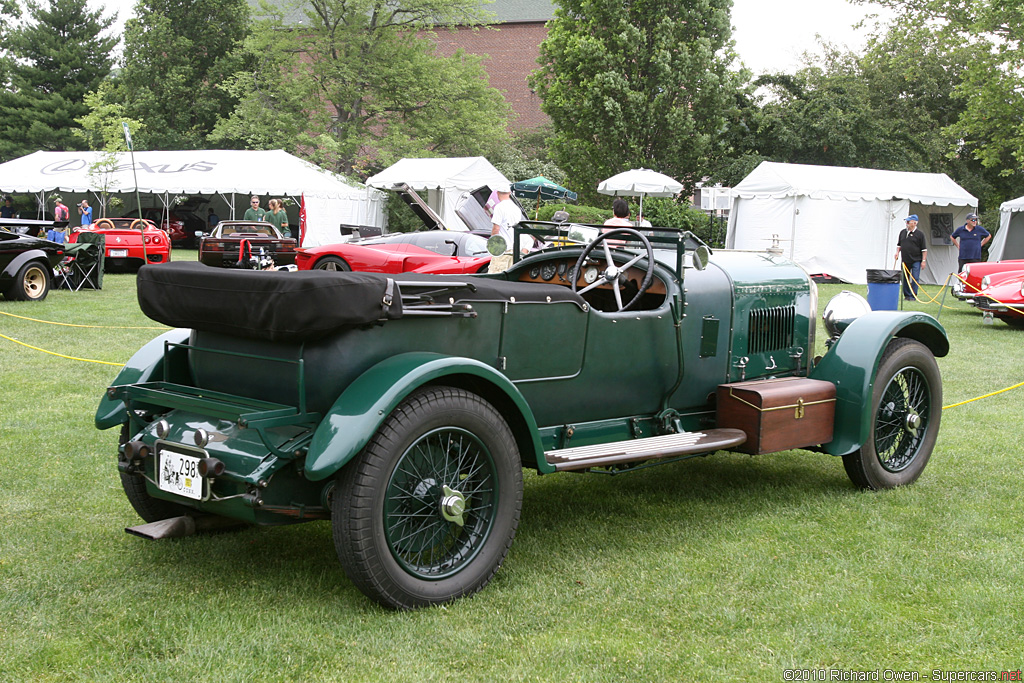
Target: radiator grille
x,y
771,329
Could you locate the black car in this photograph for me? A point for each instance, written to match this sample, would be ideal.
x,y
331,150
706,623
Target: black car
x,y
26,261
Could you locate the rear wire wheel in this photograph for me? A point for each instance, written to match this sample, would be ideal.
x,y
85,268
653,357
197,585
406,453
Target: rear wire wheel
x,y
906,410
427,512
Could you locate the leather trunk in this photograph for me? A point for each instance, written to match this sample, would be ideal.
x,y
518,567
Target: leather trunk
x,y
778,414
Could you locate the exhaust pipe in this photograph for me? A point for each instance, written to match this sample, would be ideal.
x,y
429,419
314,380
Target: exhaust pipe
x,y
179,527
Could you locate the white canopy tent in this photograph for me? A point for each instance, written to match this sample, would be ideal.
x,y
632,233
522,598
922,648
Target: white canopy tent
x,y
331,200
843,221
1009,240
443,180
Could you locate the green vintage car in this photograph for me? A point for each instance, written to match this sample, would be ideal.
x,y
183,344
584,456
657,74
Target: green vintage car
x,y
404,407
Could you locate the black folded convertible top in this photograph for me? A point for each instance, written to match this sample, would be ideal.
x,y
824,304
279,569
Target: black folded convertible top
x,y
271,305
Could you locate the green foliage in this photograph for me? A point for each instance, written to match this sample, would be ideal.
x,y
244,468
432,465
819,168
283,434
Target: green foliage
x,y
176,53
630,85
101,128
10,12
526,156
59,55
988,33
357,88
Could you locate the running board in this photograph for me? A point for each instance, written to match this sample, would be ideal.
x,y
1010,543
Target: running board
x,y
636,450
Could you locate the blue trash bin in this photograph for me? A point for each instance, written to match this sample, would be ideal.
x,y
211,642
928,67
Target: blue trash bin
x,y
883,289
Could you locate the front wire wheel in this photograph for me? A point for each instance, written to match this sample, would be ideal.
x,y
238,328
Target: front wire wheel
x,y
428,511
906,411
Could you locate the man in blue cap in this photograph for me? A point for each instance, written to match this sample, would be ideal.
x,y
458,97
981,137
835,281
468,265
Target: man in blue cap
x,y
969,238
914,249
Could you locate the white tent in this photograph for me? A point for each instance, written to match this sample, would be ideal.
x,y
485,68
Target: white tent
x,y
443,180
1009,240
331,200
843,221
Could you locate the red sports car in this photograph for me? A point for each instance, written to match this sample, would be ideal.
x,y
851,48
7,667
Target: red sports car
x,y
430,251
973,273
1004,299
127,244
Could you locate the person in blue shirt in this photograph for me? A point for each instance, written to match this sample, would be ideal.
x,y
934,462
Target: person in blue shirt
x,y
969,238
7,211
85,211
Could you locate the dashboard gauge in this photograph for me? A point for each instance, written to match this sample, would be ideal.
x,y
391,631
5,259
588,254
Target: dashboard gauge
x,y
548,270
534,272
590,275
562,267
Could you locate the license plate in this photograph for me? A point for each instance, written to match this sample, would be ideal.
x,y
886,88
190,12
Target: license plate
x,y
118,253
179,474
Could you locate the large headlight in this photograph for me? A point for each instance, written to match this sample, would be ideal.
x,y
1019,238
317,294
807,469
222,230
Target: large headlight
x,y
985,282
842,310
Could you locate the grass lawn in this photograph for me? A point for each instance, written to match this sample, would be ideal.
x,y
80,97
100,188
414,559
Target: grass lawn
x,y
723,568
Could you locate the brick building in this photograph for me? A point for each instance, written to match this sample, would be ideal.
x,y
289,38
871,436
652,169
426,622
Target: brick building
x,y
511,45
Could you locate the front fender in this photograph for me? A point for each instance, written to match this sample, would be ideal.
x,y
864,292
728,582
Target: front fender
x,y
365,404
853,360
147,363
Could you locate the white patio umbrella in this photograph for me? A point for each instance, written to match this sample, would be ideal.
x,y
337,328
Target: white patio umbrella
x,y
639,182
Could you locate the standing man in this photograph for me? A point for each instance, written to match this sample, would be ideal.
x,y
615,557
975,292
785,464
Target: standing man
x,y
60,212
506,214
254,212
911,244
7,211
969,238
85,211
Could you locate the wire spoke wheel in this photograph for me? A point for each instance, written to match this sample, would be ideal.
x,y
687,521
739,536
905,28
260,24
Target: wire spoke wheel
x,y
427,512
905,414
440,503
902,419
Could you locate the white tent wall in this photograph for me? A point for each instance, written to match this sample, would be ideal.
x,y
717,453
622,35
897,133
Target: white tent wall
x,y
1009,240
844,221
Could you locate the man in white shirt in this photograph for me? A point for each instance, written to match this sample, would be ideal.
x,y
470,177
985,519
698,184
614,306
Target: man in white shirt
x,y
505,215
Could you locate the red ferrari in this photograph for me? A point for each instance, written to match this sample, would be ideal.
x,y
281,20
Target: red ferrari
x,y
130,242
430,251
971,277
1004,299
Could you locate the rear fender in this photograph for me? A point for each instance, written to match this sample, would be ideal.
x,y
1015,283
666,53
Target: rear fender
x,y
12,268
146,365
365,404
853,360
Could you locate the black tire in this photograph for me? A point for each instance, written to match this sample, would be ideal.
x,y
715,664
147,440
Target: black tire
x,y
31,283
905,415
332,263
150,509
388,510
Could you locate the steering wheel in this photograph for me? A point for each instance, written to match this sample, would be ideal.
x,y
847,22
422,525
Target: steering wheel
x,y
104,224
613,274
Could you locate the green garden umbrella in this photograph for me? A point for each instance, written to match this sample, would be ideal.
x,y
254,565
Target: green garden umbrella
x,y
541,188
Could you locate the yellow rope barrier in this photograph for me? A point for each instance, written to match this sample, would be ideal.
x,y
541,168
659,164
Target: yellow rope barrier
x,y
978,398
101,327
61,355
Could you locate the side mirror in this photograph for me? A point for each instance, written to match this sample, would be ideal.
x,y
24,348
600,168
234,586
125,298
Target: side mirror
x,y
199,233
454,246
701,256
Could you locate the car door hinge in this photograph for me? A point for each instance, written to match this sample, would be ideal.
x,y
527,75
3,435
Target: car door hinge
x,y
501,362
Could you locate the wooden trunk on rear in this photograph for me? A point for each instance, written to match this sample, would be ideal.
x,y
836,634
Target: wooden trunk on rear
x,y
778,414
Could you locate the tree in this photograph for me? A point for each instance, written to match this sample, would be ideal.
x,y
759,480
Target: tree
x,y
176,54
990,33
10,12
636,84
359,85
61,55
